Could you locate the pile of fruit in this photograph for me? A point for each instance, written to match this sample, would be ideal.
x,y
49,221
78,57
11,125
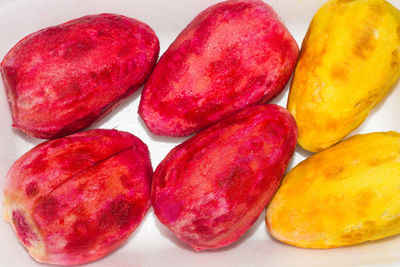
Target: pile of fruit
x,y
77,197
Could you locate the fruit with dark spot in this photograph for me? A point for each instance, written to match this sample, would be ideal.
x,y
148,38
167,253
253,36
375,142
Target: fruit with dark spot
x,y
344,195
77,208
348,62
61,79
210,189
233,55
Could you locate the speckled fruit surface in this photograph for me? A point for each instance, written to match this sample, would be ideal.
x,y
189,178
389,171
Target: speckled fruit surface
x,y
233,55
61,79
209,190
75,199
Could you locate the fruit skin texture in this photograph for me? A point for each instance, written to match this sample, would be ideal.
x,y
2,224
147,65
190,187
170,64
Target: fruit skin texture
x,y
61,79
233,55
349,60
210,189
75,199
342,196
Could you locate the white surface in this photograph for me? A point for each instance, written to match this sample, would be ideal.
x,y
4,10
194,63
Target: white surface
x,y
152,244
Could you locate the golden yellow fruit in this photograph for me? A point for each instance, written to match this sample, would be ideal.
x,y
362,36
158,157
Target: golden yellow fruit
x,y
347,194
349,60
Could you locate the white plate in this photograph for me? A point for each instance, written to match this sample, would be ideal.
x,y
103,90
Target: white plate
x,y
152,244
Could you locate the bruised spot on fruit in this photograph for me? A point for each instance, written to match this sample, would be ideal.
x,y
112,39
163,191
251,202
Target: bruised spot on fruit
x,y
398,32
258,81
46,209
377,10
72,160
333,124
252,200
103,33
31,189
51,31
67,90
338,72
227,71
312,59
235,184
201,226
232,178
180,102
360,233
162,181
369,224
334,172
78,49
84,234
198,113
395,58
124,212
353,236
41,93
223,218
124,50
202,35
363,201
80,211
126,181
24,232
128,68
258,146
119,212
393,222
172,208
54,144
365,44
105,73
82,187
39,165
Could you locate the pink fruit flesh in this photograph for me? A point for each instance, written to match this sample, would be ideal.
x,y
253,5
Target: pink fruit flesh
x,y
61,79
232,55
210,189
75,199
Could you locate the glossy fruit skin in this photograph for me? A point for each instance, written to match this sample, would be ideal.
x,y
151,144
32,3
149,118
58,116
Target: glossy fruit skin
x,y
348,62
233,55
345,195
212,188
75,199
61,79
